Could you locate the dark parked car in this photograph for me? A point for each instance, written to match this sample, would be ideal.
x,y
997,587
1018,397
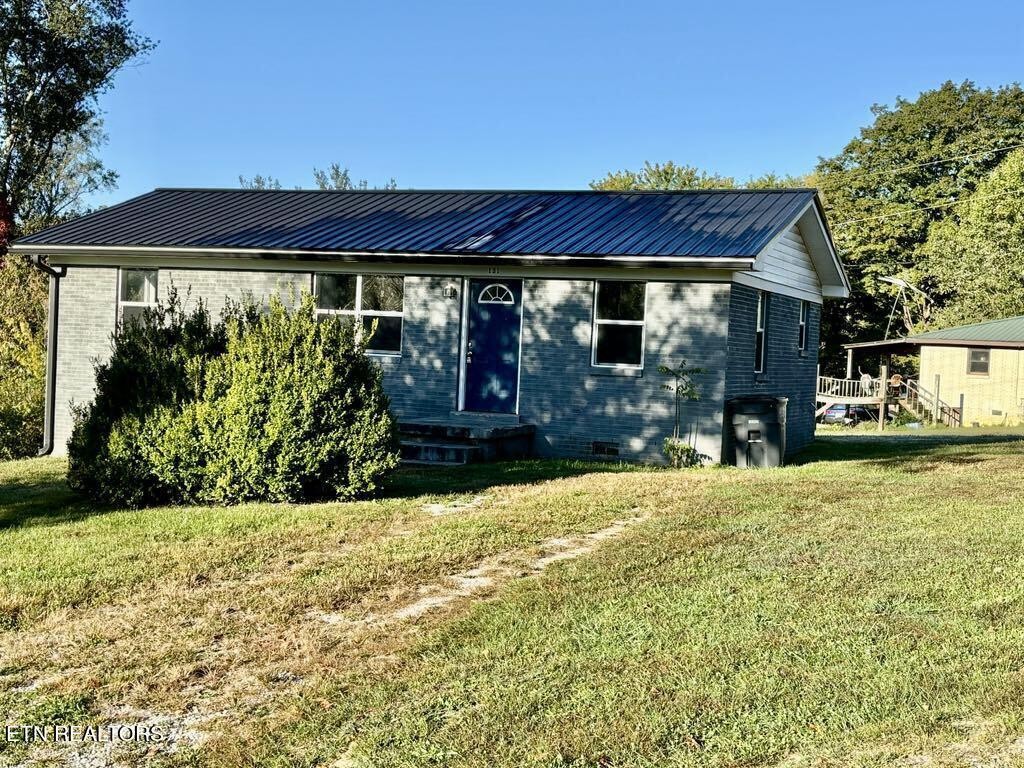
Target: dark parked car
x,y
847,414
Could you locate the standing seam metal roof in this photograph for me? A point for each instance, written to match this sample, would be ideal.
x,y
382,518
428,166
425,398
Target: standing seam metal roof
x,y
699,223
1006,331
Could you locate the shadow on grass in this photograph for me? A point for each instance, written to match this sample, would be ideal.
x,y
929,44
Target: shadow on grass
x,y
46,499
41,501
423,481
902,450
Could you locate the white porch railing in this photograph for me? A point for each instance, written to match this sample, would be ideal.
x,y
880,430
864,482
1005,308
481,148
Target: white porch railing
x,y
849,390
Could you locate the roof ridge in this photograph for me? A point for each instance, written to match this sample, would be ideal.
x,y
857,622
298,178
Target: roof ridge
x,y
454,191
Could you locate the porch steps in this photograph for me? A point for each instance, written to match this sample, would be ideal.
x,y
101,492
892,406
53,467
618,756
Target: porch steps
x,y
445,453
454,442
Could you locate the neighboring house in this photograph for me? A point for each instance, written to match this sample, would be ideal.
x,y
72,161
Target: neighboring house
x,y
978,367
551,309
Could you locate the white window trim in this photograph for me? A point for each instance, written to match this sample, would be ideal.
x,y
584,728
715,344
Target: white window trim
x,y
358,313
595,322
510,301
802,332
151,301
761,328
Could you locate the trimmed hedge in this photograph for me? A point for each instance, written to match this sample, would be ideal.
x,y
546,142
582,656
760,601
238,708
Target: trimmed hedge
x,y
273,405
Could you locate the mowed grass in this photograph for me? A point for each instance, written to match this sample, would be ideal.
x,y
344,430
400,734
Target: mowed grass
x,y
865,607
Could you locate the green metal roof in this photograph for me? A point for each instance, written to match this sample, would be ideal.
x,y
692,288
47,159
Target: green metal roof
x,y
1008,331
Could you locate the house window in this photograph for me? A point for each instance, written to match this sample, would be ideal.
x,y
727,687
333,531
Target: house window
x,y
136,292
375,301
760,333
977,361
619,311
804,308
496,293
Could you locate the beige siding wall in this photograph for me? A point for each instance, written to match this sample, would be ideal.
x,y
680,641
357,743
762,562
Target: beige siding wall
x,y
997,398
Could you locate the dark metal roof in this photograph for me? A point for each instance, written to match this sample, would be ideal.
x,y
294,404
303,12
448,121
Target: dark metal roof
x,y
706,224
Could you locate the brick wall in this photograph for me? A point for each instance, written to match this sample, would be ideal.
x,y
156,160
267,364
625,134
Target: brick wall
x,y
574,404
788,372
216,287
86,318
423,382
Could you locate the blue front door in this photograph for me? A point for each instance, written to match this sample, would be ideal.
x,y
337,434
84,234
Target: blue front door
x,y
491,381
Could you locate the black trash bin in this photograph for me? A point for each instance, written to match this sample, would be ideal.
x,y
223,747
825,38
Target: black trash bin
x,y
758,430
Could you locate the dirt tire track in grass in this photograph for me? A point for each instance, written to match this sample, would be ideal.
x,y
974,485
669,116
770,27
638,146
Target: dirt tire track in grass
x,y
491,573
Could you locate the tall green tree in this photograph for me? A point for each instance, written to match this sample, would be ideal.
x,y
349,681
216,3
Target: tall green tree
x,y
894,181
56,58
975,256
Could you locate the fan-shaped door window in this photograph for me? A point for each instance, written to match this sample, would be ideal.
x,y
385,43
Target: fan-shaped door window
x,y
496,293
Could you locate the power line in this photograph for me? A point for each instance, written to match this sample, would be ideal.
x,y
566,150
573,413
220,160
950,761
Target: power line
x,y
958,201
898,169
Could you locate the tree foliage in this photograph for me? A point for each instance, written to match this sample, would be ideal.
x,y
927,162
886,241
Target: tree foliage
x,y
663,176
669,176
974,258
56,57
891,184
333,177
22,368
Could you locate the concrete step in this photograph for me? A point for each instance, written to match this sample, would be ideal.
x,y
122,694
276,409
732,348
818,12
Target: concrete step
x,y
445,443
418,463
439,452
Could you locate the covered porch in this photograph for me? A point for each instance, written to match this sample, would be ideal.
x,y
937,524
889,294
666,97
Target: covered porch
x,y
887,390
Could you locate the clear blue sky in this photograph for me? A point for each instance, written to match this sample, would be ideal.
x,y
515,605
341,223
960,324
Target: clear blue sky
x,y
527,94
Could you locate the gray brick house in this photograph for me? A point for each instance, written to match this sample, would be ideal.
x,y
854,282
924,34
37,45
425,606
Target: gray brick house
x,y
550,309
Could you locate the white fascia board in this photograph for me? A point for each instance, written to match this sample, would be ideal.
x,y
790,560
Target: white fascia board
x,y
568,272
455,262
831,275
761,283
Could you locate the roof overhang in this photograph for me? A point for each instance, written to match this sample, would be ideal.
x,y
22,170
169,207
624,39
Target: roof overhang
x,y
912,344
818,238
104,253
814,231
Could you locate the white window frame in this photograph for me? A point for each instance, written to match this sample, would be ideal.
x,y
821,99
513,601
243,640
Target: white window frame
x,y
761,330
805,313
595,322
359,313
150,302
509,301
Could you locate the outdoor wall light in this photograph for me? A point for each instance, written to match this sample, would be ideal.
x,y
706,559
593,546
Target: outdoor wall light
x,y
450,292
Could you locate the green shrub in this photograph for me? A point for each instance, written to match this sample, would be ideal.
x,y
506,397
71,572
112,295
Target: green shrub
x,y
22,357
155,364
272,406
682,455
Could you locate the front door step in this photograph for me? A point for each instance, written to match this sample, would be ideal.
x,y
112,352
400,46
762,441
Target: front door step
x,y
445,444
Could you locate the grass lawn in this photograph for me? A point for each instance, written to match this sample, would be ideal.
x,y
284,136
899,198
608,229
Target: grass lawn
x,y
864,607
